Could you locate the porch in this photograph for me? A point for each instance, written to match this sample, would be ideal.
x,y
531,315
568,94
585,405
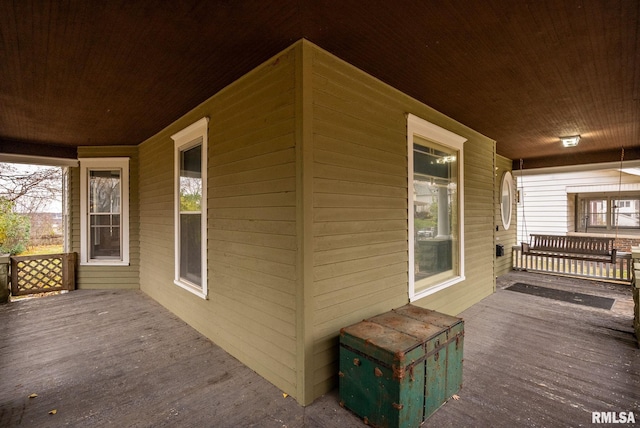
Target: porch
x,y
118,358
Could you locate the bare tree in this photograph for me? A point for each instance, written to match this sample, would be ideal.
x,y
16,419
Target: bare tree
x,y
31,189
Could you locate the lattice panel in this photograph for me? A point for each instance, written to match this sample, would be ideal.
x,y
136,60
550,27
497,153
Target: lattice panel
x,y
42,273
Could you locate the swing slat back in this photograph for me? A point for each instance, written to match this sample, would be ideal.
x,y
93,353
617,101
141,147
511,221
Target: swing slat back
x,y
588,248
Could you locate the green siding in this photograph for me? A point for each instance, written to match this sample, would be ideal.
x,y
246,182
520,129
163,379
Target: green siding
x,y
251,220
360,207
507,238
112,277
306,216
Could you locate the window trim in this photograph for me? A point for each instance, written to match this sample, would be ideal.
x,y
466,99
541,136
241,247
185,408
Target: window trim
x,y
506,213
191,136
584,198
87,164
427,130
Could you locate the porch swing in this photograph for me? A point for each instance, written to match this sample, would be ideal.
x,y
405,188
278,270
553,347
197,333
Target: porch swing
x,y
584,248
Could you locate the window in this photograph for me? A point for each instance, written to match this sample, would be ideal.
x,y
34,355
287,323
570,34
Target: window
x,y
506,199
626,213
603,213
191,207
436,209
104,211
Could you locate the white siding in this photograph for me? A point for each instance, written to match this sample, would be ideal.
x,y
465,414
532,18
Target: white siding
x,y
545,205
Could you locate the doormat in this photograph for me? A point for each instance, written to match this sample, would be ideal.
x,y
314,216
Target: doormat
x,y
565,296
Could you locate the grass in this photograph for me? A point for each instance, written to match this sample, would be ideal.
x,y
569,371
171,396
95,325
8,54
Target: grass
x,y
42,249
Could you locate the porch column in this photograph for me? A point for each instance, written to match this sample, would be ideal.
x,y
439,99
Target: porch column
x,y
444,230
4,278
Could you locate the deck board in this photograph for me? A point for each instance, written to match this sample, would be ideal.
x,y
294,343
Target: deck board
x,y
534,361
117,358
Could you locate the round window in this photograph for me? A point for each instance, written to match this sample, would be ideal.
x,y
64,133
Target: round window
x,y
506,199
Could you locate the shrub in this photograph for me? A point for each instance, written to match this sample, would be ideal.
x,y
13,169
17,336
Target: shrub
x,y
14,229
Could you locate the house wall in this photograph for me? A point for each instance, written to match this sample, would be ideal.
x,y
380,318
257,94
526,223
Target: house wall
x,y
253,257
359,204
547,204
506,238
114,277
306,216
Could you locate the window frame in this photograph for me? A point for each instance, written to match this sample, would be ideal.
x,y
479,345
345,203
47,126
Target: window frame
x,y
584,199
188,138
506,210
104,164
432,132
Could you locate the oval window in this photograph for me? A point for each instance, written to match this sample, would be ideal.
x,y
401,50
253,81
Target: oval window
x,y
506,199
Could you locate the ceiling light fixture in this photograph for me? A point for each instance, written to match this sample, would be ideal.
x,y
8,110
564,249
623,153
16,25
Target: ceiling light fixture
x,y
570,141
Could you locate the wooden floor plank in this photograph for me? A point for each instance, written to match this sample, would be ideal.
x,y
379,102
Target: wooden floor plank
x,y
116,358
532,361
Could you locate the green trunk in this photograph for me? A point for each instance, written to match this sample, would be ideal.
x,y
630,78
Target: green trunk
x,y
397,368
449,360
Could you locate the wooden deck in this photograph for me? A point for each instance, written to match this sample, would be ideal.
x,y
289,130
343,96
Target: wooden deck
x,y
116,358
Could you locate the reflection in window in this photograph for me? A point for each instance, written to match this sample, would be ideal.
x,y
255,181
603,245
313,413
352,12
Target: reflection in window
x,y
190,149
626,213
506,199
104,214
602,213
597,213
191,215
104,211
435,206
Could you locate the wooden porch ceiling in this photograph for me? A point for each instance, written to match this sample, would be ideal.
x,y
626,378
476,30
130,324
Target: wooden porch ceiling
x,y
521,72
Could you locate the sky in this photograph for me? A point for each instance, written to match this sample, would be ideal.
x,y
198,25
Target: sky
x,y
55,205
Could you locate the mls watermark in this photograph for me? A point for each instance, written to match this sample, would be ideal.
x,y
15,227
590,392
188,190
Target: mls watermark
x,y
613,418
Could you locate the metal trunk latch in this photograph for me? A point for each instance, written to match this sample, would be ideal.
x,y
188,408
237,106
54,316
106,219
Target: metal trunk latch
x,y
397,406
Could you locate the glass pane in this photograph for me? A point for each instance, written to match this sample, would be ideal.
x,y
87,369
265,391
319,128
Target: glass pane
x,y
104,191
506,201
435,202
104,220
104,214
191,248
597,214
105,242
191,179
627,213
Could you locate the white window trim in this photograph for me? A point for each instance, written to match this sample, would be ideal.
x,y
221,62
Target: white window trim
x,y
420,127
506,212
87,164
191,136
